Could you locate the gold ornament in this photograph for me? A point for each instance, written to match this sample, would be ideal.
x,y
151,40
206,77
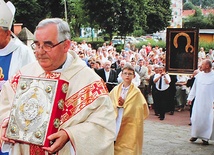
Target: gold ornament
x,y
38,134
175,41
56,123
48,89
61,104
65,88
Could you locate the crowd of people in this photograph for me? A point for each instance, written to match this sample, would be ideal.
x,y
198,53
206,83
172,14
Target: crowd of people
x,y
163,92
109,93
90,114
147,62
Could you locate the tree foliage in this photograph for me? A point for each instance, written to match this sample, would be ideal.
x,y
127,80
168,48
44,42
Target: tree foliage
x,y
210,21
102,12
130,16
76,16
199,21
122,17
56,8
30,12
188,6
126,16
158,15
204,4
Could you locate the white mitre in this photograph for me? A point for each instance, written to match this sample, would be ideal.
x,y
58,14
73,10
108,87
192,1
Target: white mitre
x,y
6,14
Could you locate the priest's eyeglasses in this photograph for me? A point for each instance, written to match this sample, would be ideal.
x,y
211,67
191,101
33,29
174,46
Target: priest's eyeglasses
x,y
47,46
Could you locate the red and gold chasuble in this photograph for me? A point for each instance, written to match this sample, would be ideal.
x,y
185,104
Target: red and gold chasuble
x,y
73,104
82,98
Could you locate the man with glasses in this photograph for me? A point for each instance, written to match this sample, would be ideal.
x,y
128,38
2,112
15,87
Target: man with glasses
x,y
87,122
131,109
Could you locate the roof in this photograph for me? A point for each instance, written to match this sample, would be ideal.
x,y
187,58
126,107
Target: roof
x,y
205,12
25,34
206,31
188,13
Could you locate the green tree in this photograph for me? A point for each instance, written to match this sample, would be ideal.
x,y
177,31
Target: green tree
x,y
158,15
130,16
199,21
76,16
198,12
103,12
28,13
196,2
32,11
210,21
122,17
204,4
188,6
142,16
56,8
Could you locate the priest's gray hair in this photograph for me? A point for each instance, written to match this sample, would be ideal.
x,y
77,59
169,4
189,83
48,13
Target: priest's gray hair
x,y
62,27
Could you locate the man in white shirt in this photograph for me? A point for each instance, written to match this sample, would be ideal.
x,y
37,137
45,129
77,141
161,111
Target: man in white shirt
x,y
162,80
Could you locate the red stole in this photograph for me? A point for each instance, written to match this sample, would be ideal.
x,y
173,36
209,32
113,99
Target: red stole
x,y
35,149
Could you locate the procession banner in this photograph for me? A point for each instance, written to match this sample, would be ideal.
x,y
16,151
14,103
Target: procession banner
x,y
181,50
